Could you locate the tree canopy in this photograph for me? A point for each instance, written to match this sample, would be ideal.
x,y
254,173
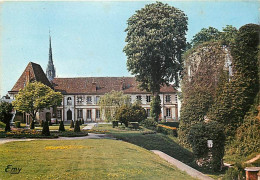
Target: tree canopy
x,y
155,41
112,101
35,97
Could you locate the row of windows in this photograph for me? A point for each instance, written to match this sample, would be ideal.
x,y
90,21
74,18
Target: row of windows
x,y
138,98
80,113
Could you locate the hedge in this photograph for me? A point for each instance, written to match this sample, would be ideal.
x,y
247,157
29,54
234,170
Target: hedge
x,y
166,130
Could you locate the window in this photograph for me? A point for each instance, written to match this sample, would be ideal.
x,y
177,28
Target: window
x,y
168,98
139,98
148,111
168,112
79,99
148,98
80,113
58,113
97,99
98,114
88,114
176,98
69,101
89,100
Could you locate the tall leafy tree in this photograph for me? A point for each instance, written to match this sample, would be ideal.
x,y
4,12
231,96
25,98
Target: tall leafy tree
x,y
5,114
35,97
155,41
111,101
205,35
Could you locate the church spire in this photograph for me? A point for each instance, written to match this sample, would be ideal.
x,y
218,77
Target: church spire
x,y
50,71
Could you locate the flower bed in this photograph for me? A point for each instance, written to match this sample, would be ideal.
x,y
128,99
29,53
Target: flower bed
x,y
28,133
166,130
24,133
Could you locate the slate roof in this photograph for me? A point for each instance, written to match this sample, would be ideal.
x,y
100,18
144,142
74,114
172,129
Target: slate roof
x,y
36,74
100,85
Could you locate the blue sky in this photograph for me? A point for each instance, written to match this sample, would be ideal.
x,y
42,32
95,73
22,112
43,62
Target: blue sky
x,y
88,37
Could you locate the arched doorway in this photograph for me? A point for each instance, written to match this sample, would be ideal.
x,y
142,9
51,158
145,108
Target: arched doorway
x,y
69,115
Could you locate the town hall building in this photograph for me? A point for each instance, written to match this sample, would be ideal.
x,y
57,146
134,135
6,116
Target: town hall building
x,y
82,94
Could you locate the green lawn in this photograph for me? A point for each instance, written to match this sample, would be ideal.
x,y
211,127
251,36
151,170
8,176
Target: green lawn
x,y
158,141
164,143
84,159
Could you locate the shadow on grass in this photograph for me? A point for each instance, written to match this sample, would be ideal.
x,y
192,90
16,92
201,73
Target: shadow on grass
x,y
157,142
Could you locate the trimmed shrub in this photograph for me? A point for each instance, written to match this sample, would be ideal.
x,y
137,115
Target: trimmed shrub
x,y
167,130
149,123
56,121
82,121
61,127
77,126
50,123
72,124
171,124
45,129
198,136
18,124
115,124
32,125
135,125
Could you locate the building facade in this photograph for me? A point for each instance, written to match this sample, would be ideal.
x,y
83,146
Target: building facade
x,y
81,95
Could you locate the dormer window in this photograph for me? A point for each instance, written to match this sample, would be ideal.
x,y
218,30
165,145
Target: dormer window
x,y
69,101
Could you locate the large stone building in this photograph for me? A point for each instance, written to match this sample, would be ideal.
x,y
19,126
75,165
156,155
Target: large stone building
x,y
81,95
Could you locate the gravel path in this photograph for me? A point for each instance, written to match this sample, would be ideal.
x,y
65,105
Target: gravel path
x,y
183,167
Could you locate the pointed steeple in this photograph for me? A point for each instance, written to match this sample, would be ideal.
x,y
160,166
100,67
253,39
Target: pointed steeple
x,y
50,71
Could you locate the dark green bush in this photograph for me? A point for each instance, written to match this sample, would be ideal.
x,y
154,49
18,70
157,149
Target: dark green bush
x,y
171,124
115,124
149,123
198,136
50,123
72,124
135,125
61,127
77,126
18,124
82,121
167,130
45,129
235,173
32,125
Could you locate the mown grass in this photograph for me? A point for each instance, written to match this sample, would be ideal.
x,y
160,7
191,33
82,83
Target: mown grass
x,y
84,159
147,140
156,141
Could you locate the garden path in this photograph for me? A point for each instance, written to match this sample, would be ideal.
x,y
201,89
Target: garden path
x,y
183,167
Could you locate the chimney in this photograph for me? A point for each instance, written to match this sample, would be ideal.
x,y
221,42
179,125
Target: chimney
x,y
94,86
27,77
123,84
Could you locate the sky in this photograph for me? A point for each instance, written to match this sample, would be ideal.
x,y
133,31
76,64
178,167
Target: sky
x,y
88,37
